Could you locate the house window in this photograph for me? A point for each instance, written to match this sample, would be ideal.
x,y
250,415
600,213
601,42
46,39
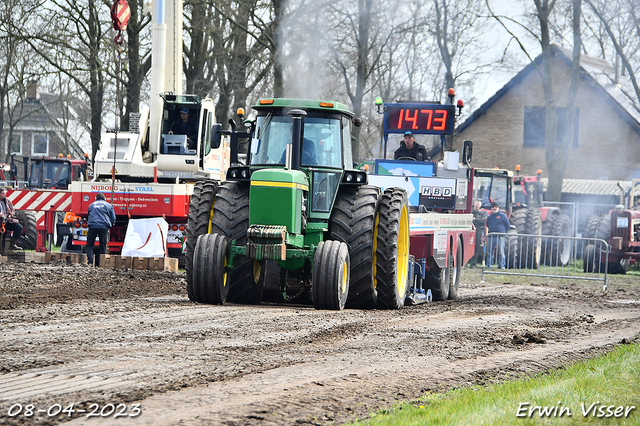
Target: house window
x,y
16,144
40,144
535,125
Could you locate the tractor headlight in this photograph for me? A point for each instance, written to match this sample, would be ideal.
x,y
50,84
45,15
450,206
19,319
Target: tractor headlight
x,y
360,178
349,177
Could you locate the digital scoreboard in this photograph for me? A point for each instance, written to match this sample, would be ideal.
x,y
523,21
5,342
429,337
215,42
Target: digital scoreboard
x,y
429,119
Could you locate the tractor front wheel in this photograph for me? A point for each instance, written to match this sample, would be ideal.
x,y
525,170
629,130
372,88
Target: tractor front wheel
x,y
210,283
197,224
330,280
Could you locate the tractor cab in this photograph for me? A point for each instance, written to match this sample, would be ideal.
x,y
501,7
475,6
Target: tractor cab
x,y
528,191
181,118
56,173
494,185
309,139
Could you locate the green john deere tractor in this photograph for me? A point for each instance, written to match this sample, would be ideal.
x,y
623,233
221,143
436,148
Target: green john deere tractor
x,y
297,217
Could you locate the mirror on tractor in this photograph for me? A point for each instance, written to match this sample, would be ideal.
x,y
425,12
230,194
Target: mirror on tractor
x,y
216,136
467,151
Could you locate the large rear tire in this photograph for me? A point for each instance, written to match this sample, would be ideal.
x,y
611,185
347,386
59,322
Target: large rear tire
x,y
353,222
455,266
27,219
210,284
197,224
330,280
391,272
230,217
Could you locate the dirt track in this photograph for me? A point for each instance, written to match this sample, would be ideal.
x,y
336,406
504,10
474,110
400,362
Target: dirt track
x,y
73,334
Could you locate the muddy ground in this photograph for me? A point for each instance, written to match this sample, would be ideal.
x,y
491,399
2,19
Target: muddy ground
x,y
78,338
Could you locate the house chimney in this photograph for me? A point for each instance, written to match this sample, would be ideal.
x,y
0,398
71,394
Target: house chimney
x,y
33,89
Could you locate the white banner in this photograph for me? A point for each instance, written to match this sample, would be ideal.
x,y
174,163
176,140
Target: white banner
x,y
146,238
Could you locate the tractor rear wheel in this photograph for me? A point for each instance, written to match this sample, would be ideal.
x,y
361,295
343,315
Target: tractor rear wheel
x,y
455,266
197,224
558,250
27,219
592,226
210,284
230,217
330,280
352,222
391,249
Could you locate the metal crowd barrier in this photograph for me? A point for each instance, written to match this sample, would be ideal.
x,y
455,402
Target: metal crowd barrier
x,y
548,256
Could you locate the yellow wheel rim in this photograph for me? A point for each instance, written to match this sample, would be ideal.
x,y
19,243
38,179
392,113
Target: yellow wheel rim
x,y
403,251
224,275
375,248
344,277
210,217
257,270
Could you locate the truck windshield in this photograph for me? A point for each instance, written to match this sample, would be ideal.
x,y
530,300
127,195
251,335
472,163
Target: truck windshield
x,y
321,141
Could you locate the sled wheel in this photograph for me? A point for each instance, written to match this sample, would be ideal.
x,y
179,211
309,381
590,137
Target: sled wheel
x,y
437,280
456,271
391,267
210,284
330,280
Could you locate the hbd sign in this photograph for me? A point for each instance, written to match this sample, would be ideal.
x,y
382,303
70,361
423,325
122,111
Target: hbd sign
x,y
438,193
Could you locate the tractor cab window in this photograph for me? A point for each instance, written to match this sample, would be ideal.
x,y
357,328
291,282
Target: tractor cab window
x,y
180,129
321,145
325,185
273,133
325,136
490,189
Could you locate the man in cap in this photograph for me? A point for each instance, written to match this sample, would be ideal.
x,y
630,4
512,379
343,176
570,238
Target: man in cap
x,y
497,222
409,148
101,218
185,127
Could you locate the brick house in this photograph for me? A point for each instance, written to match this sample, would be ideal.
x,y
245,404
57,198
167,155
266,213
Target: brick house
x,y
39,130
508,129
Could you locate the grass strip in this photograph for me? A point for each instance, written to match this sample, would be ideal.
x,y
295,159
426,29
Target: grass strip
x,y
588,392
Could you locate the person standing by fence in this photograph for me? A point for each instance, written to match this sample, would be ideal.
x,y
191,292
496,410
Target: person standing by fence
x,y
101,218
497,222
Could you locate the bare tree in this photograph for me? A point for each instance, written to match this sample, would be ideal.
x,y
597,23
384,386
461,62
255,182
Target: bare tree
x,y
73,31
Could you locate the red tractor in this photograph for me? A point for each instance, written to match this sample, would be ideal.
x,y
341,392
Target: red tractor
x,y
521,198
621,230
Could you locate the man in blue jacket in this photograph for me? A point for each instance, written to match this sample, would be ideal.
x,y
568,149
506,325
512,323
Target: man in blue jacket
x,y
497,221
101,218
